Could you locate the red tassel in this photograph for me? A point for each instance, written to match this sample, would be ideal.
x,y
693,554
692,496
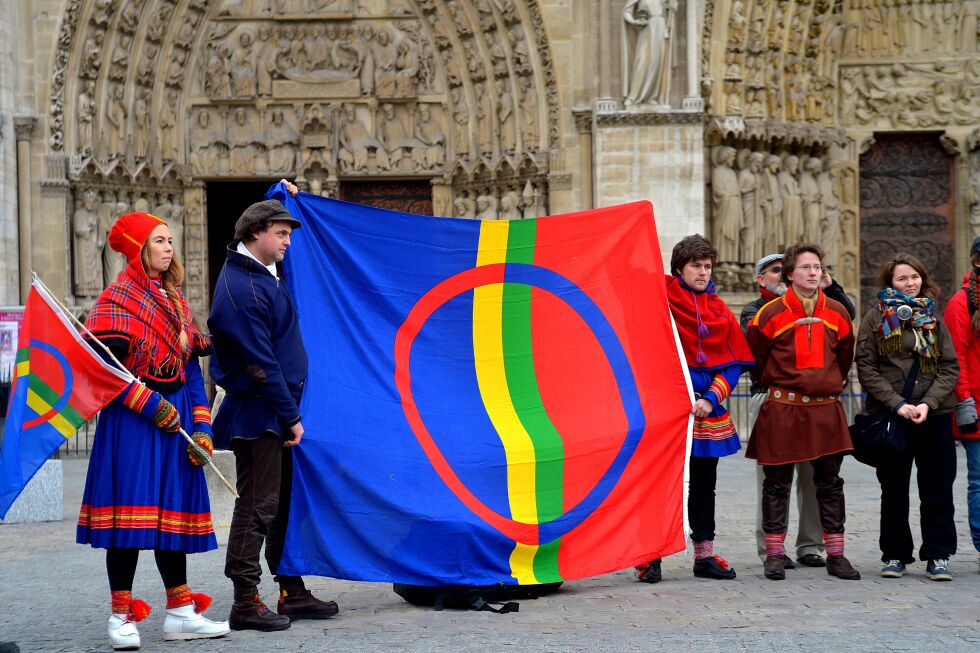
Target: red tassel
x,y
138,610
201,602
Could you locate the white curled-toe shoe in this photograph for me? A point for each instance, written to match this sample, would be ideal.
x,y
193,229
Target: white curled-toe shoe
x,y
123,634
186,623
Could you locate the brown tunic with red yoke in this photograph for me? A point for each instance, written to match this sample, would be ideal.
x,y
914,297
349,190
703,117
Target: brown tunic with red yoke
x,y
805,360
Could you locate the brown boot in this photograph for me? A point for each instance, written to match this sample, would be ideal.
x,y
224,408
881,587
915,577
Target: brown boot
x,y
775,568
299,603
841,567
249,613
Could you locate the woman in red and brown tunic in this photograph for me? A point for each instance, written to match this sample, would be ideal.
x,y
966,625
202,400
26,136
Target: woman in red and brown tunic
x,y
803,344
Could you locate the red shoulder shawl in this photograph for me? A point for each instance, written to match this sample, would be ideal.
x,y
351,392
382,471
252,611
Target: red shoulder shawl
x,y
710,335
136,308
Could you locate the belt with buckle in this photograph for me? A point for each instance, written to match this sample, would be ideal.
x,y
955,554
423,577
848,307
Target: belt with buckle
x,y
795,398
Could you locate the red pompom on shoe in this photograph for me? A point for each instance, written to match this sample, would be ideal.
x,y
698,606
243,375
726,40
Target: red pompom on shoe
x,y
138,610
201,602
721,562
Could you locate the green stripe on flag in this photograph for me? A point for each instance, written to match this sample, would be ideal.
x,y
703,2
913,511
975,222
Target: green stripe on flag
x,y
44,391
549,453
23,354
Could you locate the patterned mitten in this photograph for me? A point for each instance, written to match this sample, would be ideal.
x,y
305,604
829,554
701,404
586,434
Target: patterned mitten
x,y
202,440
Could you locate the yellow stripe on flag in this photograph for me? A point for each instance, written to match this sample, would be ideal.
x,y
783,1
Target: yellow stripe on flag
x,y
40,406
488,355
23,368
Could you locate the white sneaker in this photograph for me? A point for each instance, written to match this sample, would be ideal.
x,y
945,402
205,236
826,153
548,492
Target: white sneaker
x,y
123,634
186,623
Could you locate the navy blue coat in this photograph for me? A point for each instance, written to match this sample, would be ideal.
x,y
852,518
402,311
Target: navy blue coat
x,y
259,358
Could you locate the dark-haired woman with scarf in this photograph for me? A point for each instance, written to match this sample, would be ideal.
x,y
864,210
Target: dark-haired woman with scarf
x,y
899,337
716,353
145,488
963,319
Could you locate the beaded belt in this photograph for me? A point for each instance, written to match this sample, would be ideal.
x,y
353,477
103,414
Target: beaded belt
x,y
793,398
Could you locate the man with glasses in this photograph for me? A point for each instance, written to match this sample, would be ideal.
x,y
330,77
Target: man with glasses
x,y
803,346
809,539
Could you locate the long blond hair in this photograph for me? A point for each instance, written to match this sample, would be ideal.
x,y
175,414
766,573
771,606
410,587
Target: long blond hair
x,y
171,281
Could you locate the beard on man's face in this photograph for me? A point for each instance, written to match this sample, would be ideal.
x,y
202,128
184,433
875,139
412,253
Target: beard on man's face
x,y
778,289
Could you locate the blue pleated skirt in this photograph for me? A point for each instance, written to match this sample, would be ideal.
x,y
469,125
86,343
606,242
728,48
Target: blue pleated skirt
x,y
141,491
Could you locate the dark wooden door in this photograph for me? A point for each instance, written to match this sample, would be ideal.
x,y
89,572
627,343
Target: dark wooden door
x,y
907,206
407,195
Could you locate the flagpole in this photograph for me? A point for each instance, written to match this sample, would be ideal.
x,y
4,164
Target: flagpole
x,y
198,449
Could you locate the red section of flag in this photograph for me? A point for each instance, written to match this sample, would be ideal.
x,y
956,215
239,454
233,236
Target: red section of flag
x,y
645,510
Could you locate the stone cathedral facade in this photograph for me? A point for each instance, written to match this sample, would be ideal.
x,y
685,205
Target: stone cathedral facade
x,y
854,123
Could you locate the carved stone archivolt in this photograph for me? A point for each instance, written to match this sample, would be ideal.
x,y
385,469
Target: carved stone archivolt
x,y
155,95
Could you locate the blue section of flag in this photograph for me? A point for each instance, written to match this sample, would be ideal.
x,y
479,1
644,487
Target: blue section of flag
x,y
366,503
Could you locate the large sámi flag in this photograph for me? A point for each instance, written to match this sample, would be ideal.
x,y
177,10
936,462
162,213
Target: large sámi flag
x,y
488,401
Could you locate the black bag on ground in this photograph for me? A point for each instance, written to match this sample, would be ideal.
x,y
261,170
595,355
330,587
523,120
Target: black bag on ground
x,y
470,597
879,436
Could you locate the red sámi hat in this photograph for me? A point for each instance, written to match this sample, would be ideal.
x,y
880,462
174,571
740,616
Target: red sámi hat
x,y
130,232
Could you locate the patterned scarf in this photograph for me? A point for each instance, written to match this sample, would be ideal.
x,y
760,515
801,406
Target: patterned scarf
x,y
136,307
710,335
923,323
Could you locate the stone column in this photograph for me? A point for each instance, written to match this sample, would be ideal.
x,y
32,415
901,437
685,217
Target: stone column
x,y
23,128
442,198
693,101
583,124
606,101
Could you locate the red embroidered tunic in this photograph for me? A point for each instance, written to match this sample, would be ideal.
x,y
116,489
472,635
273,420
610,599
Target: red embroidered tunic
x,y
809,357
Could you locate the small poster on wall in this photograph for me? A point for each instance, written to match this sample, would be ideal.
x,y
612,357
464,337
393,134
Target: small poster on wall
x,y
10,320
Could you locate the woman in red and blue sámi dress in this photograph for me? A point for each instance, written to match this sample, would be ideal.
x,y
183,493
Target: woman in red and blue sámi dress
x,y
716,353
145,487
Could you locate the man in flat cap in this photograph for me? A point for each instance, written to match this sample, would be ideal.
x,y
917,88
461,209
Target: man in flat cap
x,y
260,361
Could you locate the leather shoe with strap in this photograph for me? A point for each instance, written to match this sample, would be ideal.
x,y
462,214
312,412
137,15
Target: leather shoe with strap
x,y
253,615
301,604
811,560
840,567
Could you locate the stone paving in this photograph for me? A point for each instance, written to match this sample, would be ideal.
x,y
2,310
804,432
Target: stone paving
x,y
54,597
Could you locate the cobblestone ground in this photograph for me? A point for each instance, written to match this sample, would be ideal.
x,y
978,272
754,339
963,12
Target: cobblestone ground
x,y
54,597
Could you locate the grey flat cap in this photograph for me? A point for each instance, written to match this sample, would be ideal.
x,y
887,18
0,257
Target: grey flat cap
x,y
764,262
266,211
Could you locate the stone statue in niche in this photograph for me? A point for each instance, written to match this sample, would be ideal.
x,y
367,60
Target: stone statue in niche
x,y
461,117
120,57
518,46
969,27
774,231
726,204
532,202
406,69
86,117
509,202
92,58
355,142
102,12
175,73
485,15
736,23
116,114
464,206
204,146
972,197
505,115
241,146
129,16
185,35
395,141
812,201
830,223
141,124
459,17
243,73
429,133
217,81
498,56
749,185
281,139
529,113
113,263
88,261
265,62
486,207
146,68
789,188
168,126
484,111
176,223
385,61
647,45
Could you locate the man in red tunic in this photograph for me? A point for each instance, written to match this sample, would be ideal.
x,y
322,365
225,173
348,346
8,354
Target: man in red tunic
x,y
803,345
